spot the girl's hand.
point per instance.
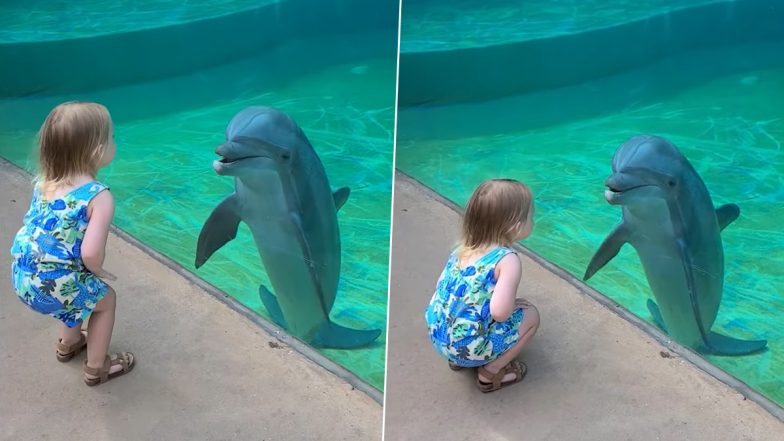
(103, 274)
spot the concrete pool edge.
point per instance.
(300, 347)
(687, 354)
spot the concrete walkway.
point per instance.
(592, 375)
(204, 371)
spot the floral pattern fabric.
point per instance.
(458, 316)
(47, 271)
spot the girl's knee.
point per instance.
(533, 313)
(108, 302)
(530, 319)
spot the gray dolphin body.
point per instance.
(669, 219)
(283, 195)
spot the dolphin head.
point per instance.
(645, 167)
(259, 141)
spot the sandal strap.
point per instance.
(514, 367)
(121, 358)
(67, 349)
(494, 378)
(101, 372)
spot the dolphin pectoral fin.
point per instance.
(718, 344)
(271, 303)
(341, 196)
(334, 336)
(726, 214)
(607, 250)
(653, 308)
(220, 228)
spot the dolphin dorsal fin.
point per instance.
(341, 196)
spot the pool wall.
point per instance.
(565, 60)
(124, 58)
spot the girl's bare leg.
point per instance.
(99, 332)
(70, 336)
(527, 330)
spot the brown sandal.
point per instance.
(65, 353)
(102, 375)
(516, 367)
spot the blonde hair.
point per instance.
(493, 213)
(71, 142)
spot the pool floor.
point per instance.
(731, 129)
(165, 188)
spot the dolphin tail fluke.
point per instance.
(334, 336)
(653, 308)
(273, 308)
(220, 228)
(718, 344)
(341, 196)
(607, 250)
(726, 214)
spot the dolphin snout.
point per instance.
(222, 151)
(609, 181)
(231, 151)
(619, 182)
(614, 182)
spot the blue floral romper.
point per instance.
(458, 316)
(47, 269)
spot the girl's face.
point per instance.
(109, 150)
(524, 229)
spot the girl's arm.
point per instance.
(100, 212)
(509, 272)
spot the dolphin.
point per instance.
(670, 220)
(283, 195)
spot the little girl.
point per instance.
(58, 254)
(474, 317)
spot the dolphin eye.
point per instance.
(671, 183)
(285, 156)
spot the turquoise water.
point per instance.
(341, 91)
(729, 125)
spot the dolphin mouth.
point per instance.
(231, 153)
(616, 195)
(618, 190)
(227, 160)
